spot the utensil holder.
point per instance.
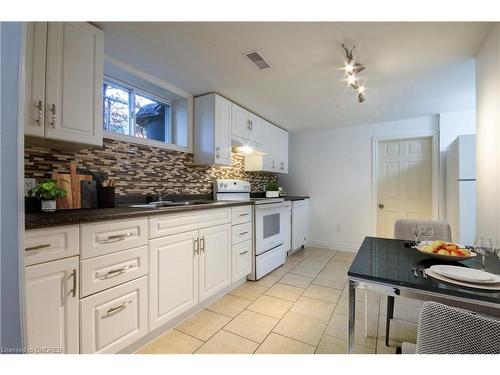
(105, 196)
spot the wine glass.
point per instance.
(416, 230)
(427, 232)
(483, 247)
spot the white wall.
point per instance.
(488, 136)
(334, 167)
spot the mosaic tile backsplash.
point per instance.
(140, 169)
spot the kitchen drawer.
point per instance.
(113, 319)
(112, 236)
(241, 232)
(241, 214)
(167, 225)
(242, 260)
(43, 245)
(106, 271)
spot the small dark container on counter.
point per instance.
(105, 196)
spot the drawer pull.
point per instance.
(244, 214)
(243, 233)
(202, 244)
(244, 252)
(116, 238)
(38, 247)
(73, 275)
(115, 272)
(196, 246)
(116, 309)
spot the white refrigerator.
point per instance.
(460, 203)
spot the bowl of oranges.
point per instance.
(445, 250)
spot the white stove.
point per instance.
(268, 215)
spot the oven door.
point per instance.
(268, 229)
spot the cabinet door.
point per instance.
(173, 276)
(269, 162)
(73, 110)
(36, 42)
(215, 260)
(52, 306)
(240, 123)
(222, 131)
(282, 151)
(300, 223)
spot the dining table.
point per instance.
(386, 266)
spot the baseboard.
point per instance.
(342, 246)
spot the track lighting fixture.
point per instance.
(352, 69)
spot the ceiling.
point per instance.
(413, 69)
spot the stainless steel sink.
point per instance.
(170, 204)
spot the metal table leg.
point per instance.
(352, 316)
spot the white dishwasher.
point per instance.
(300, 223)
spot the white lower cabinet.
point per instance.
(185, 269)
(215, 260)
(242, 260)
(173, 276)
(113, 319)
(52, 306)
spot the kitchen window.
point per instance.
(130, 111)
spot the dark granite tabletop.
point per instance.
(388, 261)
(34, 220)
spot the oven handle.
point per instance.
(270, 205)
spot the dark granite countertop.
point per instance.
(296, 197)
(35, 220)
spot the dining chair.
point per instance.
(403, 230)
(444, 329)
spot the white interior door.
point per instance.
(404, 186)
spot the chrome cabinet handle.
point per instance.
(249, 124)
(273, 163)
(53, 110)
(38, 247)
(116, 238)
(73, 275)
(243, 233)
(39, 113)
(244, 252)
(112, 310)
(202, 244)
(245, 214)
(196, 246)
(217, 152)
(115, 272)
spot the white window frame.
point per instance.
(164, 85)
(131, 107)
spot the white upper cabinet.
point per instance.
(275, 147)
(247, 127)
(212, 130)
(35, 60)
(219, 124)
(64, 70)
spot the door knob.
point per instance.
(381, 206)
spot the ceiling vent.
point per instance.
(258, 60)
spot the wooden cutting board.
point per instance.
(72, 184)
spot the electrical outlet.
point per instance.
(29, 183)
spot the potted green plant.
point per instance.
(48, 191)
(272, 189)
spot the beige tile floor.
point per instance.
(300, 307)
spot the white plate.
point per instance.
(441, 256)
(469, 275)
